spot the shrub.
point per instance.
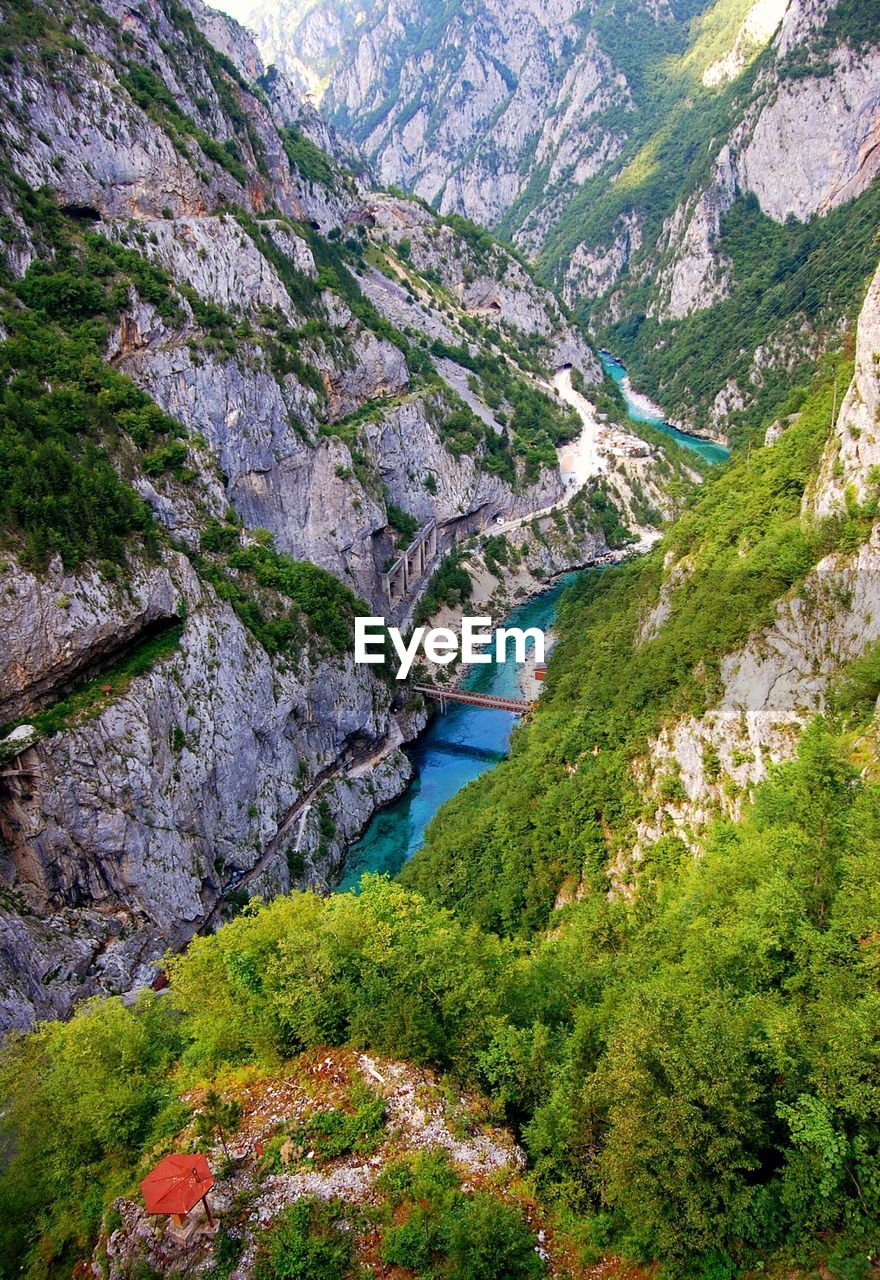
(305, 1242)
(165, 457)
(308, 159)
(489, 1240)
(403, 524)
(335, 1133)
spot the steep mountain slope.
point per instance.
(470, 105)
(236, 386)
(637, 153)
(238, 391)
(681, 682)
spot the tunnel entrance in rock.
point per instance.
(81, 212)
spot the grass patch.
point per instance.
(87, 702)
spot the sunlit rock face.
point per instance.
(503, 112)
(224, 767)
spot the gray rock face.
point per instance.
(217, 258)
(814, 145)
(761, 20)
(136, 820)
(485, 281)
(507, 112)
(57, 625)
(218, 769)
(779, 680)
(592, 271)
(86, 137)
(469, 113)
(407, 449)
(849, 468)
(698, 275)
(504, 96)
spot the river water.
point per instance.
(466, 741)
(640, 409)
(457, 748)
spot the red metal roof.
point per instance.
(176, 1184)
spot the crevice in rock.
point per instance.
(65, 677)
(81, 212)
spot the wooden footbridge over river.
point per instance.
(518, 706)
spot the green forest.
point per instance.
(694, 1077)
(691, 1069)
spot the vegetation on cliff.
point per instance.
(691, 1066)
(694, 1075)
(566, 801)
(692, 1070)
(795, 276)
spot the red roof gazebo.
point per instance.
(176, 1186)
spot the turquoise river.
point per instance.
(461, 744)
(640, 409)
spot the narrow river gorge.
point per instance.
(466, 741)
(457, 747)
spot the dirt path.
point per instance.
(581, 458)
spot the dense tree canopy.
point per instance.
(695, 1077)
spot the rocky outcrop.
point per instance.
(157, 800)
(485, 281)
(816, 142)
(758, 25)
(698, 767)
(58, 626)
(780, 679)
(418, 1116)
(771, 688)
(850, 467)
(507, 113)
(516, 107)
(464, 108)
(407, 449)
(218, 259)
(88, 133)
(593, 270)
(699, 273)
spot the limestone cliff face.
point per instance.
(557, 124)
(815, 143)
(805, 143)
(771, 688)
(287, 329)
(87, 137)
(521, 104)
(592, 271)
(485, 281)
(849, 469)
(463, 107)
(125, 833)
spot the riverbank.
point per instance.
(461, 744)
(454, 750)
(455, 747)
(641, 408)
